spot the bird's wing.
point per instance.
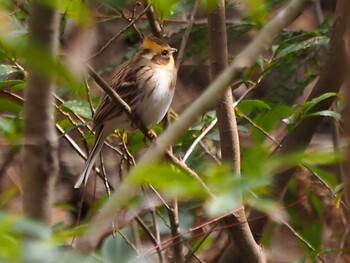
(125, 84)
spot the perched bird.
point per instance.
(146, 82)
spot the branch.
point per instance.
(156, 27)
(186, 35)
(132, 22)
(213, 93)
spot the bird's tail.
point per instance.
(84, 176)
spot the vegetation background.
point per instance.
(251, 164)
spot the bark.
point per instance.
(229, 140)
(39, 159)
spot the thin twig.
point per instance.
(207, 151)
(173, 214)
(153, 239)
(105, 180)
(325, 184)
(88, 94)
(199, 138)
(258, 127)
(188, 257)
(121, 32)
(303, 240)
(186, 35)
(156, 27)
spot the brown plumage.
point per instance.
(146, 82)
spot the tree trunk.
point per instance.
(39, 159)
(229, 140)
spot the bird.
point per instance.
(146, 82)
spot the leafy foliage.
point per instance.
(282, 74)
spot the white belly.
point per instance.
(155, 106)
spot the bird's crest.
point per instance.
(153, 43)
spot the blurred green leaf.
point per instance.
(257, 10)
(298, 46)
(164, 8)
(10, 83)
(306, 107)
(75, 9)
(40, 59)
(136, 142)
(7, 105)
(10, 249)
(223, 203)
(79, 107)
(169, 180)
(5, 71)
(116, 248)
(325, 113)
(327, 177)
(32, 228)
(321, 157)
(19, 86)
(248, 106)
(313, 234)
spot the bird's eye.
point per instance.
(165, 52)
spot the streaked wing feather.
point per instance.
(126, 86)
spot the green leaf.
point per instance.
(223, 204)
(164, 8)
(321, 157)
(297, 47)
(327, 177)
(170, 180)
(40, 59)
(306, 107)
(10, 83)
(257, 10)
(19, 86)
(116, 249)
(5, 71)
(75, 9)
(79, 107)
(247, 106)
(32, 228)
(7, 105)
(324, 113)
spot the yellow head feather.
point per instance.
(153, 43)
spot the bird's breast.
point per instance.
(157, 99)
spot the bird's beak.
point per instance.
(173, 50)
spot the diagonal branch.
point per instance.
(213, 93)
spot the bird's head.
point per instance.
(158, 51)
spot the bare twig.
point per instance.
(303, 240)
(186, 35)
(199, 138)
(121, 31)
(156, 27)
(175, 232)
